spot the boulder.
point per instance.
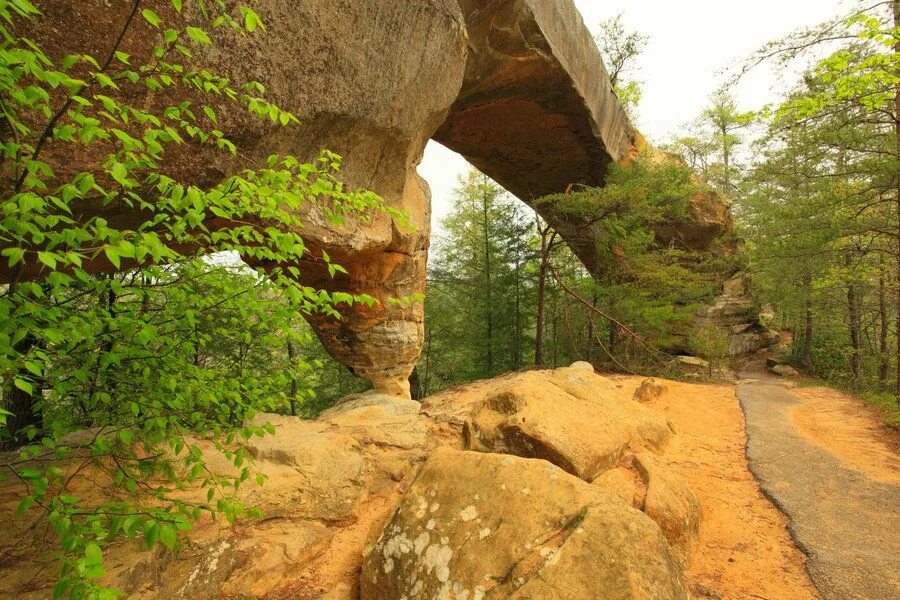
(379, 419)
(785, 371)
(561, 417)
(693, 363)
(752, 340)
(220, 563)
(671, 503)
(623, 483)
(312, 470)
(481, 526)
(650, 389)
(736, 314)
(582, 365)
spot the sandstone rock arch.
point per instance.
(518, 87)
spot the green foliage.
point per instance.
(821, 205)
(620, 50)
(711, 344)
(477, 328)
(178, 347)
(712, 144)
(480, 296)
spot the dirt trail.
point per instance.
(745, 551)
(833, 472)
(850, 430)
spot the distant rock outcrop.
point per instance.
(735, 313)
(568, 496)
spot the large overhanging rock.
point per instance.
(370, 80)
(537, 112)
(518, 87)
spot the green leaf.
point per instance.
(119, 172)
(26, 503)
(167, 536)
(198, 36)
(48, 259)
(15, 255)
(251, 20)
(151, 17)
(24, 385)
(113, 256)
(93, 553)
(151, 533)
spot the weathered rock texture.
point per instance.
(735, 313)
(540, 415)
(350, 512)
(487, 525)
(538, 114)
(517, 87)
(671, 503)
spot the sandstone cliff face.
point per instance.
(377, 500)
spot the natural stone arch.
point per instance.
(518, 87)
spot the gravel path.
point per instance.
(847, 523)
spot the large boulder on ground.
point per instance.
(570, 417)
(623, 483)
(479, 526)
(252, 563)
(671, 503)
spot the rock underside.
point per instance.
(567, 496)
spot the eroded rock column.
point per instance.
(371, 80)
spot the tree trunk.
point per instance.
(806, 351)
(292, 394)
(613, 341)
(884, 360)
(554, 324)
(517, 338)
(24, 406)
(544, 266)
(590, 331)
(854, 318)
(415, 384)
(897, 176)
(539, 319)
(489, 305)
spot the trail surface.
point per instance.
(844, 513)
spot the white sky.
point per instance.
(691, 43)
